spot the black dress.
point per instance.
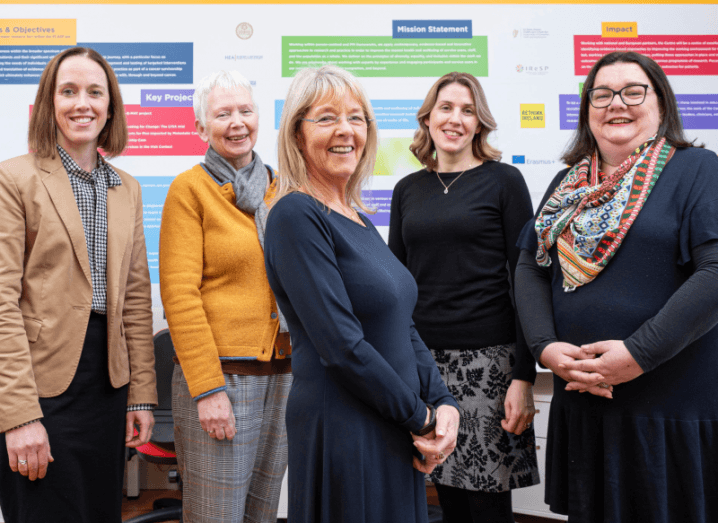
(362, 375)
(651, 453)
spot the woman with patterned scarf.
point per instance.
(230, 387)
(617, 291)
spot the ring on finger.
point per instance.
(604, 385)
(441, 455)
(22, 461)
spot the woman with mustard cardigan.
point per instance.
(231, 384)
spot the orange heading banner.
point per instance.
(34, 31)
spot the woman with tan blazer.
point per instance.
(76, 357)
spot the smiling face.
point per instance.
(620, 128)
(231, 125)
(453, 123)
(332, 153)
(81, 101)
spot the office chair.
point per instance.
(160, 448)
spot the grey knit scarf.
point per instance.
(250, 185)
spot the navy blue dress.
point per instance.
(362, 375)
(651, 453)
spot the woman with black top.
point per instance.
(454, 225)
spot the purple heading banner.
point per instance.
(166, 97)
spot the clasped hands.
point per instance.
(594, 367)
(437, 445)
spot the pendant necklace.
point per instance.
(446, 187)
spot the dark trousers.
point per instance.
(469, 506)
(86, 430)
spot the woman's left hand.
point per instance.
(519, 407)
(609, 359)
(145, 420)
(437, 445)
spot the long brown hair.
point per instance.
(583, 143)
(42, 133)
(423, 146)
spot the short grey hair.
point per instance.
(225, 79)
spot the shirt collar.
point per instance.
(103, 168)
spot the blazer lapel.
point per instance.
(56, 181)
(120, 223)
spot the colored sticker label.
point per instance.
(162, 131)
(133, 63)
(676, 54)
(383, 56)
(533, 116)
(154, 193)
(380, 201)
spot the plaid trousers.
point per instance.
(238, 480)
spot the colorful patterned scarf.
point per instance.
(590, 213)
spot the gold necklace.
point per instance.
(446, 187)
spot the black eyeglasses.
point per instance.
(630, 95)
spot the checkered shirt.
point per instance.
(90, 190)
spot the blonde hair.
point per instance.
(308, 87)
(42, 132)
(423, 146)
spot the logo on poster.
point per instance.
(517, 159)
(531, 32)
(537, 70)
(244, 31)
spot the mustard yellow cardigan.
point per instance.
(213, 282)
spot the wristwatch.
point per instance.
(429, 427)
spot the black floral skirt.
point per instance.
(487, 458)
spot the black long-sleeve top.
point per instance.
(461, 249)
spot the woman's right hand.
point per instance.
(440, 443)
(30, 445)
(559, 352)
(216, 415)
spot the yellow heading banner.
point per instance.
(35, 31)
(619, 29)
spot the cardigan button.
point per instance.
(281, 352)
(274, 315)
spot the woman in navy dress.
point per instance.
(367, 397)
(617, 290)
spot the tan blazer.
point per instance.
(46, 289)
